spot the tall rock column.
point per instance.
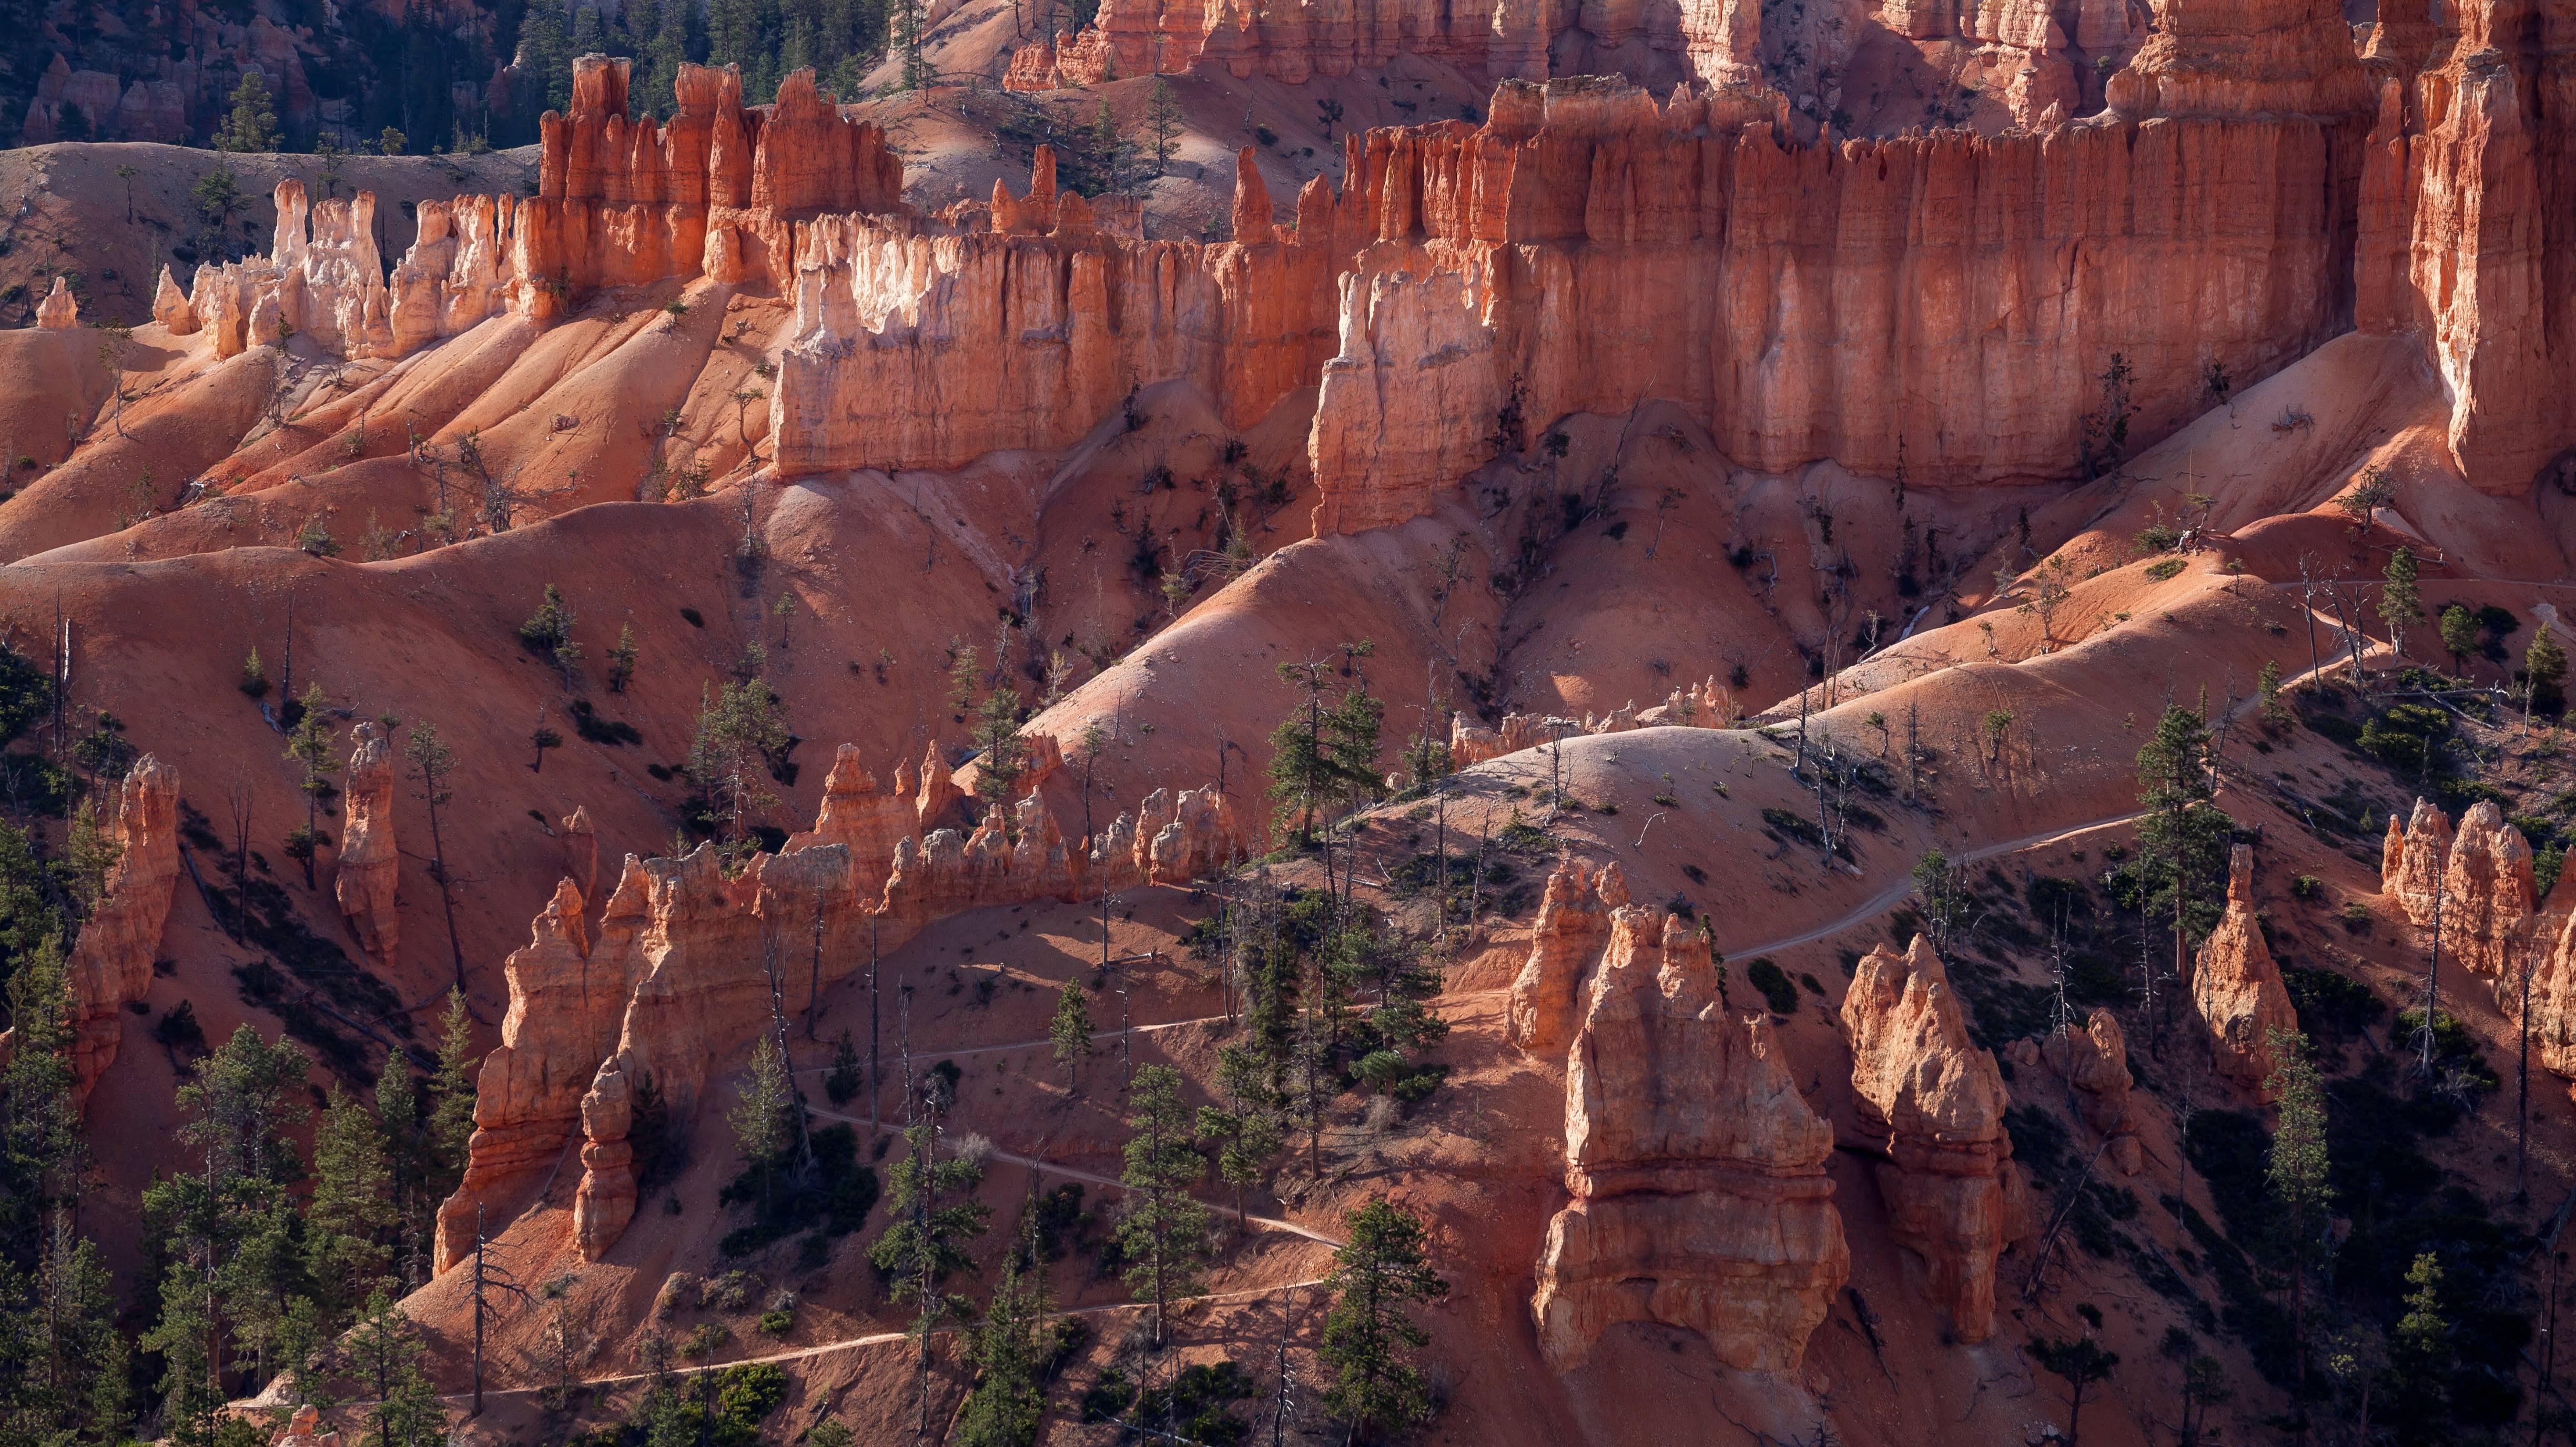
(2411, 861)
(606, 1200)
(1935, 1102)
(1698, 1173)
(1572, 922)
(111, 964)
(369, 866)
(2237, 987)
(2487, 893)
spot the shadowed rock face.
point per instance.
(1935, 1103)
(1698, 1173)
(2095, 1061)
(2236, 986)
(368, 867)
(111, 965)
(679, 969)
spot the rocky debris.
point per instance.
(2488, 894)
(369, 866)
(2095, 1062)
(605, 1201)
(1698, 1173)
(111, 964)
(2411, 862)
(60, 310)
(2237, 987)
(1573, 921)
(1935, 1103)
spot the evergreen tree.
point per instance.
(1163, 125)
(1369, 1336)
(1164, 1231)
(309, 744)
(548, 633)
(2544, 668)
(2299, 1174)
(2401, 601)
(451, 1095)
(2079, 1362)
(1247, 1129)
(621, 660)
(62, 1361)
(2183, 835)
(1070, 1031)
(742, 728)
(997, 737)
(350, 1222)
(1009, 1348)
(431, 763)
(924, 1242)
(251, 125)
(408, 1166)
(762, 1128)
(43, 1153)
(2459, 629)
(387, 1358)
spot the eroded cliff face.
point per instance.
(369, 866)
(1934, 1103)
(2411, 862)
(2468, 224)
(1573, 922)
(1589, 246)
(1697, 1171)
(687, 962)
(2236, 986)
(2488, 894)
(2094, 1062)
(111, 963)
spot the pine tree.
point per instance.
(1009, 1347)
(352, 1215)
(431, 763)
(2183, 835)
(1163, 124)
(43, 1153)
(1369, 1337)
(251, 125)
(2079, 1362)
(309, 744)
(1247, 1129)
(997, 737)
(762, 1130)
(741, 728)
(407, 1164)
(1164, 1230)
(2401, 601)
(62, 1361)
(548, 632)
(1070, 1031)
(621, 660)
(2299, 1173)
(387, 1357)
(924, 1242)
(451, 1094)
(2544, 667)
(2459, 629)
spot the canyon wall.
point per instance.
(688, 962)
(1588, 247)
(1700, 1198)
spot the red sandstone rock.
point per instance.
(2237, 987)
(2488, 893)
(170, 306)
(869, 822)
(1573, 921)
(60, 310)
(2095, 1061)
(2411, 863)
(1700, 1194)
(1935, 1103)
(111, 963)
(605, 1201)
(369, 867)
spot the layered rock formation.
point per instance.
(1700, 705)
(369, 866)
(1698, 1173)
(1591, 247)
(2488, 894)
(2236, 986)
(2411, 862)
(2094, 1063)
(2465, 234)
(1573, 921)
(686, 963)
(1935, 1103)
(2553, 1001)
(111, 963)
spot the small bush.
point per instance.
(1777, 992)
(777, 1323)
(2307, 886)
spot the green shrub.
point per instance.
(1777, 992)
